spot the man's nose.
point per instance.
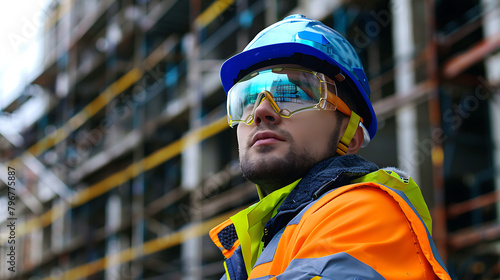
(266, 113)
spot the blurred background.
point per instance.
(113, 122)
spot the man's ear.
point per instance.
(356, 141)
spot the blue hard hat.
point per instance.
(310, 43)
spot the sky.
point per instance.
(21, 23)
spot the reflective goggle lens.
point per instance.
(288, 90)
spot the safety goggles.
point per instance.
(288, 90)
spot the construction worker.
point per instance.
(300, 99)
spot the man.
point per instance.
(300, 98)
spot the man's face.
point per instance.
(275, 151)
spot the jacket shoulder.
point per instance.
(372, 223)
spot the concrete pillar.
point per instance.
(191, 162)
(113, 222)
(57, 228)
(406, 116)
(112, 271)
(491, 26)
(191, 156)
(36, 246)
(270, 13)
(191, 258)
(191, 166)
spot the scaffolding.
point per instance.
(129, 161)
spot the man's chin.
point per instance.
(267, 168)
(278, 151)
(260, 163)
(264, 149)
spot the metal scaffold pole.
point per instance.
(437, 154)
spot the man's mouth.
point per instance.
(266, 138)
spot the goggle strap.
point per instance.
(340, 105)
(349, 134)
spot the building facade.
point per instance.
(128, 160)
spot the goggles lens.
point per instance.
(288, 90)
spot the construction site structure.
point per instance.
(116, 157)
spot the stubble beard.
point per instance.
(272, 173)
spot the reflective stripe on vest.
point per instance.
(279, 258)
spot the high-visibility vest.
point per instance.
(365, 229)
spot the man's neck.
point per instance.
(265, 189)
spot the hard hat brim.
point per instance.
(245, 62)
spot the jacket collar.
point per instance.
(338, 170)
(324, 176)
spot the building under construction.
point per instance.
(118, 144)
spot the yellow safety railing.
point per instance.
(205, 18)
(116, 88)
(88, 112)
(147, 248)
(129, 172)
(213, 11)
(124, 175)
